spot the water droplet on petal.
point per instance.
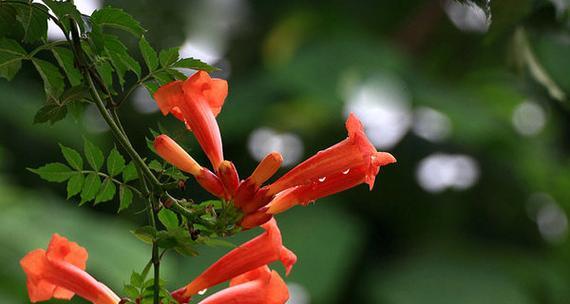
(346, 171)
(322, 179)
(203, 291)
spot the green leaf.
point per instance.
(76, 108)
(33, 20)
(105, 69)
(116, 18)
(130, 173)
(155, 165)
(151, 86)
(149, 54)
(9, 25)
(93, 154)
(65, 59)
(145, 234)
(125, 197)
(168, 57)
(74, 185)
(137, 279)
(194, 64)
(91, 187)
(65, 11)
(107, 191)
(176, 74)
(215, 242)
(131, 291)
(11, 55)
(120, 58)
(51, 112)
(168, 218)
(53, 80)
(54, 172)
(72, 157)
(115, 162)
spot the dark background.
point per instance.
(471, 99)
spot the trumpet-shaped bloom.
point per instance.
(304, 194)
(259, 286)
(175, 155)
(356, 151)
(262, 250)
(59, 272)
(197, 101)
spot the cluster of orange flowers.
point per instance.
(59, 271)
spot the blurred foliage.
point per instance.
(289, 65)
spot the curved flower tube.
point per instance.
(262, 250)
(259, 286)
(354, 151)
(59, 272)
(197, 101)
(175, 155)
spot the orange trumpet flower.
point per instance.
(356, 151)
(197, 101)
(175, 155)
(60, 273)
(262, 250)
(259, 286)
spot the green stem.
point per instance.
(123, 140)
(155, 254)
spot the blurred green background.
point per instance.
(471, 98)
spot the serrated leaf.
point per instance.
(91, 187)
(105, 69)
(65, 59)
(54, 172)
(131, 291)
(168, 57)
(177, 75)
(120, 58)
(115, 163)
(72, 157)
(215, 242)
(9, 25)
(53, 80)
(155, 165)
(116, 18)
(145, 234)
(33, 20)
(130, 173)
(74, 185)
(76, 108)
(168, 218)
(11, 55)
(93, 154)
(125, 197)
(151, 86)
(51, 112)
(194, 64)
(65, 11)
(107, 191)
(136, 279)
(163, 77)
(149, 54)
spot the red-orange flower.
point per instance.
(59, 273)
(356, 151)
(175, 155)
(349, 163)
(197, 101)
(262, 250)
(258, 286)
